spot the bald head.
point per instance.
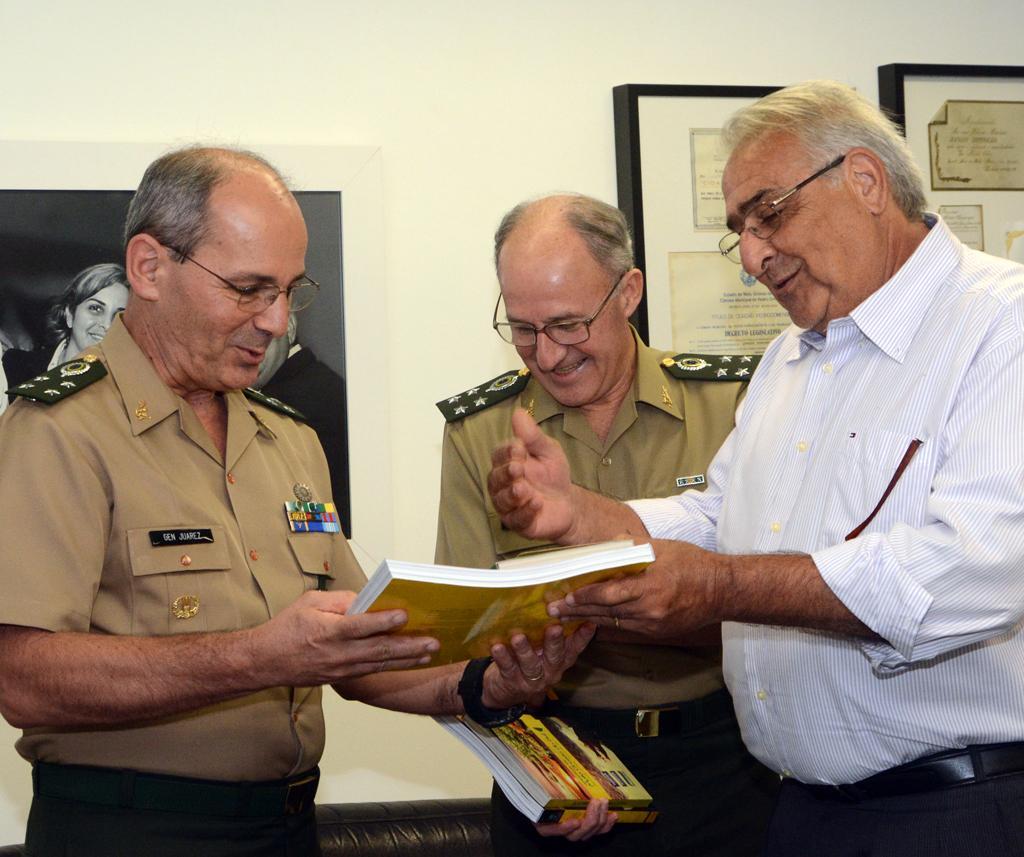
(172, 201)
(600, 226)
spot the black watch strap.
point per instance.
(471, 689)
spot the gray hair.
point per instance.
(601, 226)
(171, 201)
(829, 119)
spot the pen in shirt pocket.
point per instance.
(912, 448)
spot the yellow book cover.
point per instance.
(549, 771)
(470, 609)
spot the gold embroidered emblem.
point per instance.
(524, 371)
(692, 364)
(667, 361)
(141, 411)
(666, 399)
(90, 358)
(302, 493)
(78, 367)
(185, 606)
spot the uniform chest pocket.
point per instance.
(313, 552)
(153, 550)
(179, 580)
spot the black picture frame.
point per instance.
(628, 157)
(892, 80)
(914, 95)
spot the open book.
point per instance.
(470, 609)
(549, 772)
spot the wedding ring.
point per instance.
(617, 625)
(539, 677)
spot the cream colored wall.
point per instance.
(474, 105)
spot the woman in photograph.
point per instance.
(78, 318)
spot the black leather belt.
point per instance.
(647, 722)
(974, 764)
(134, 790)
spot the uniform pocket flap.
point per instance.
(160, 550)
(313, 552)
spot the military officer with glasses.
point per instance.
(633, 422)
(861, 537)
(178, 590)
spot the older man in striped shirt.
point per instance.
(862, 535)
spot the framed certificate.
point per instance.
(965, 127)
(669, 164)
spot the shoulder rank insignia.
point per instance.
(480, 398)
(273, 404)
(62, 381)
(712, 367)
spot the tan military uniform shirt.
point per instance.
(88, 479)
(664, 436)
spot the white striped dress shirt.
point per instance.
(936, 354)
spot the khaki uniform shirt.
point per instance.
(88, 479)
(668, 429)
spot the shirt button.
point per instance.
(231, 478)
(186, 560)
(762, 695)
(295, 718)
(827, 368)
(786, 772)
(801, 446)
(606, 461)
(327, 566)
(776, 526)
(253, 555)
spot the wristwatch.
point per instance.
(471, 689)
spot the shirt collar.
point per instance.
(147, 399)
(891, 316)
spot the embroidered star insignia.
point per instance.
(746, 358)
(721, 372)
(726, 358)
(480, 402)
(472, 392)
(741, 373)
(68, 384)
(461, 409)
(454, 399)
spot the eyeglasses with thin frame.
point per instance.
(570, 332)
(256, 299)
(765, 218)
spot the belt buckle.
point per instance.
(298, 796)
(647, 722)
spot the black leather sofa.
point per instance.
(454, 827)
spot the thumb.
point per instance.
(526, 430)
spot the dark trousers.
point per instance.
(714, 800)
(978, 820)
(64, 828)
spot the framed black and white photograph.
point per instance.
(61, 285)
(965, 127)
(669, 163)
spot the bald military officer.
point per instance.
(633, 422)
(166, 623)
